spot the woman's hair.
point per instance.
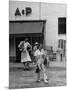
(26, 39)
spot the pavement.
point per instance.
(20, 78)
(58, 64)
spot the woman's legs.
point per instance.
(27, 64)
(24, 63)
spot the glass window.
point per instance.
(62, 43)
(61, 25)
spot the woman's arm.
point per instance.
(29, 46)
(20, 46)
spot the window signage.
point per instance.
(27, 11)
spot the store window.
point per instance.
(62, 44)
(62, 25)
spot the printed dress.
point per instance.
(25, 54)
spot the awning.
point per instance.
(25, 27)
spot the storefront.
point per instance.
(41, 22)
(33, 30)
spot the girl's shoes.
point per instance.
(46, 81)
(38, 80)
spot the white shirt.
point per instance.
(39, 53)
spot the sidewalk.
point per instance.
(52, 64)
(58, 64)
(19, 78)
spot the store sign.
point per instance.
(25, 11)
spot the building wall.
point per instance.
(13, 5)
(42, 11)
(50, 12)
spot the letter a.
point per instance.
(17, 13)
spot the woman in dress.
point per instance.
(39, 56)
(25, 57)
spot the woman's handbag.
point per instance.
(28, 48)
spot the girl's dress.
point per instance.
(40, 63)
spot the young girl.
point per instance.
(39, 56)
(34, 49)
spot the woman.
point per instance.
(25, 57)
(40, 55)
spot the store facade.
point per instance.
(36, 21)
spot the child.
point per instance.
(39, 56)
(34, 49)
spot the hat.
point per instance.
(36, 43)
